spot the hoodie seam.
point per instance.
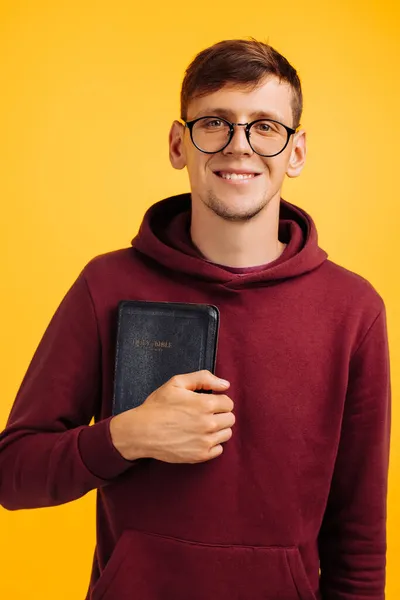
(365, 336)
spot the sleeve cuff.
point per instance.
(99, 454)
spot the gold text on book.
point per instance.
(142, 343)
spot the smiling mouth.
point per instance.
(236, 177)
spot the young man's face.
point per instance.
(239, 199)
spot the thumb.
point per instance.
(200, 380)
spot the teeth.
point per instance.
(237, 175)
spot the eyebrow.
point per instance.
(230, 114)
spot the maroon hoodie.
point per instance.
(295, 507)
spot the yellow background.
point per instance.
(88, 92)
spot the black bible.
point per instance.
(157, 340)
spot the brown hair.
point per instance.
(244, 62)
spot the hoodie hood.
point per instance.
(164, 236)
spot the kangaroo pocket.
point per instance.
(148, 566)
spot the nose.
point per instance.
(239, 143)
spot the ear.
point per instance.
(176, 146)
(297, 155)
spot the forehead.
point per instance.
(272, 97)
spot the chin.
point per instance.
(235, 211)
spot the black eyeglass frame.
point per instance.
(190, 124)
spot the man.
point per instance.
(274, 486)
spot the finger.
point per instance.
(216, 451)
(223, 436)
(199, 380)
(222, 404)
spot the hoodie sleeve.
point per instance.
(49, 454)
(352, 540)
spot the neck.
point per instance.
(237, 244)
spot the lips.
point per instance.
(234, 172)
(238, 176)
(241, 180)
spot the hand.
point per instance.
(175, 424)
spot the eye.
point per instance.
(263, 126)
(213, 123)
(268, 129)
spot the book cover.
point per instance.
(157, 340)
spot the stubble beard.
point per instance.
(233, 215)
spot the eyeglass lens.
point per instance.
(266, 137)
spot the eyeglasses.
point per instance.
(266, 137)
